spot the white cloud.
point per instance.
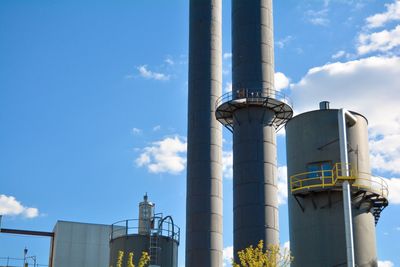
(286, 245)
(385, 264)
(227, 255)
(156, 128)
(169, 61)
(165, 156)
(12, 207)
(282, 185)
(136, 131)
(319, 18)
(383, 41)
(392, 13)
(227, 164)
(339, 54)
(148, 74)
(394, 190)
(227, 55)
(228, 87)
(368, 86)
(284, 41)
(281, 81)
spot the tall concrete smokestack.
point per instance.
(253, 112)
(204, 159)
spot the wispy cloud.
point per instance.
(169, 61)
(148, 74)
(319, 17)
(339, 54)
(136, 131)
(284, 41)
(392, 13)
(227, 55)
(227, 164)
(282, 185)
(10, 206)
(228, 87)
(156, 128)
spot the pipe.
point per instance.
(345, 116)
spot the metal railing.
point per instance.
(253, 96)
(161, 227)
(333, 178)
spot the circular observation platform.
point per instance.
(276, 101)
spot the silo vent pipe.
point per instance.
(344, 118)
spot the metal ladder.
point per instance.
(154, 249)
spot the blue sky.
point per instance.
(93, 102)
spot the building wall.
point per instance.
(81, 245)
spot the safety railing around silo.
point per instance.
(253, 96)
(327, 179)
(163, 228)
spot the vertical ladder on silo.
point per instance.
(155, 248)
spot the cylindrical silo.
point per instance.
(253, 111)
(315, 199)
(204, 244)
(151, 233)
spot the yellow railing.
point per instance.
(332, 178)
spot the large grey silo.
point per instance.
(204, 244)
(316, 215)
(253, 111)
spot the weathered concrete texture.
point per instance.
(204, 244)
(317, 234)
(254, 142)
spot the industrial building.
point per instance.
(80, 244)
(87, 245)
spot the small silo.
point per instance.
(151, 232)
(327, 150)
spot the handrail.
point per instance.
(333, 178)
(131, 226)
(253, 94)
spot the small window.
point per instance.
(318, 169)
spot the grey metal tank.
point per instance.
(152, 233)
(316, 216)
(253, 111)
(136, 243)
(204, 243)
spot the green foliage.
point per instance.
(272, 256)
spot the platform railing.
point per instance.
(131, 226)
(253, 95)
(324, 179)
